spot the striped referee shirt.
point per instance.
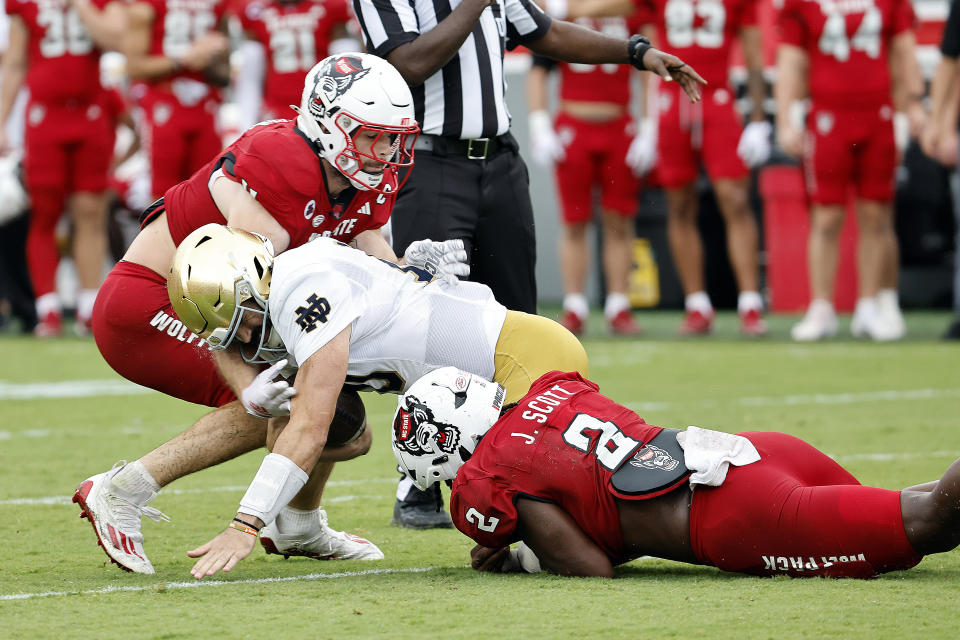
(465, 98)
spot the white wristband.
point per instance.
(277, 481)
(557, 8)
(539, 120)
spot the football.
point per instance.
(349, 420)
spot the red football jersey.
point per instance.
(177, 23)
(62, 61)
(700, 32)
(598, 82)
(279, 167)
(560, 444)
(295, 35)
(847, 42)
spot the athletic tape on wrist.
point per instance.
(277, 481)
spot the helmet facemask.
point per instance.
(350, 102)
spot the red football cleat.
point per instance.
(752, 324)
(49, 326)
(623, 324)
(696, 323)
(572, 323)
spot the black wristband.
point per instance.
(637, 45)
(247, 524)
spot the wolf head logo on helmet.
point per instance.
(336, 77)
(415, 426)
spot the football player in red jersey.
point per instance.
(332, 171)
(857, 62)
(177, 58)
(68, 144)
(588, 144)
(585, 484)
(283, 38)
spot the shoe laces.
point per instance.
(126, 512)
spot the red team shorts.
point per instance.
(140, 336)
(596, 155)
(179, 139)
(67, 146)
(797, 512)
(689, 134)
(850, 148)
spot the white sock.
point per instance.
(748, 301)
(821, 305)
(85, 300)
(698, 301)
(292, 521)
(48, 302)
(615, 303)
(403, 487)
(866, 307)
(576, 303)
(136, 483)
(889, 296)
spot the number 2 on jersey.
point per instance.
(612, 446)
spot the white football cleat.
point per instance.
(116, 520)
(892, 325)
(322, 543)
(818, 323)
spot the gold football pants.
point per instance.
(530, 346)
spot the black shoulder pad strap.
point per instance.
(656, 468)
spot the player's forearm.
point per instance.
(537, 89)
(105, 27)
(11, 77)
(371, 241)
(429, 52)
(943, 89)
(791, 84)
(906, 81)
(752, 45)
(234, 371)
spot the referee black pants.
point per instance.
(484, 202)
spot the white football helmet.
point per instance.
(218, 274)
(439, 422)
(347, 99)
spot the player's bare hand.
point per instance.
(488, 559)
(204, 49)
(221, 553)
(790, 139)
(672, 68)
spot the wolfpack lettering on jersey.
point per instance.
(847, 42)
(403, 323)
(701, 32)
(294, 35)
(63, 61)
(561, 444)
(165, 323)
(294, 192)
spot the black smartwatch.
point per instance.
(637, 45)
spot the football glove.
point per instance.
(440, 259)
(642, 154)
(266, 398)
(545, 145)
(754, 145)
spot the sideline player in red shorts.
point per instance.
(587, 143)
(282, 40)
(177, 57)
(333, 171)
(68, 142)
(585, 484)
(857, 61)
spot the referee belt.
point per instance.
(472, 148)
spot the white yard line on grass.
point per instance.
(216, 583)
(69, 389)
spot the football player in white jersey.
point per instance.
(340, 317)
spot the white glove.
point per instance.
(265, 398)
(642, 154)
(440, 259)
(754, 145)
(545, 145)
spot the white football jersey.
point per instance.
(404, 324)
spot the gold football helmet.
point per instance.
(218, 274)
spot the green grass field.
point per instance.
(889, 412)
